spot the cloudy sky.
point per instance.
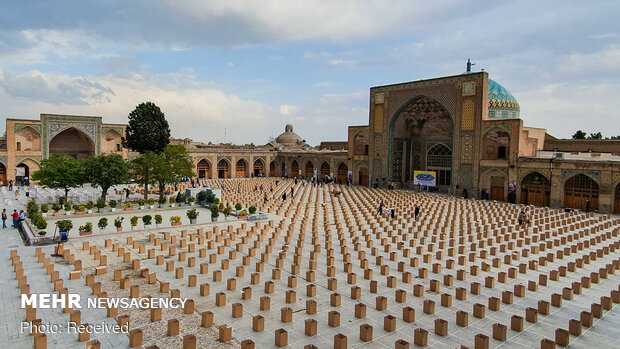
(250, 67)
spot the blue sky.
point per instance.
(253, 66)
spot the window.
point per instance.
(439, 159)
(366, 149)
(19, 146)
(118, 147)
(501, 152)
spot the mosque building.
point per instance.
(465, 128)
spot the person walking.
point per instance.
(4, 217)
(393, 213)
(10, 185)
(15, 217)
(416, 212)
(521, 218)
(587, 205)
(284, 196)
(380, 208)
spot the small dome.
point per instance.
(502, 104)
(289, 138)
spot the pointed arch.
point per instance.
(496, 182)
(325, 169)
(241, 168)
(27, 138)
(581, 192)
(535, 189)
(309, 169)
(294, 169)
(272, 169)
(342, 174)
(258, 168)
(72, 142)
(495, 144)
(111, 142)
(223, 169)
(203, 168)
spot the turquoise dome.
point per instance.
(502, 104)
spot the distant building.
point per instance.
(466, 128)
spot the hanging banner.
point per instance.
(427, 178)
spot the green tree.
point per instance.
(579, 135)
(106, 171)
(142, 169)
(60, 172)
(147, 129)
(173, 164)
(597, 135)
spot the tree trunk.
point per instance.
(104, 192)
(161, 189)
(66, 194)
(146, 186)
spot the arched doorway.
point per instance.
(241, 169)
(294, 169)
(259, 168)
(495, 145)
(21, 171)
(617, 200)
(580, 189)
(272, 169)
(111, 142)
(223, 169)
(3, 174)
(204, 169)
(496, 182)
(343, 173)
(535, 190)
(325, 169)
(27, 139)
(439, 159)
(362, 176)
(420, 138)
(309, 169)
(72, 142)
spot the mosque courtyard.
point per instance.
(325, 270)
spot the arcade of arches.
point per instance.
(72, 142)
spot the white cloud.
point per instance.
(288, 109)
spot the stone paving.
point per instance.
(326, 270)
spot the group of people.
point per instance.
(16, 216)
(392, 211)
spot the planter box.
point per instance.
(44, 214)
(89, 211)
(113, 209)
(83, 233)
(192, 221)
(162, 205)
(191, 204)
(243, 218)
(128, 208)
(175, 224)
(133, 227)
(77, 213)
(172, 205)
(119, 229)
(151, 207)
(214, 219)
(67, 213)
(142, 207)
(147, 226)
(55, 214)
(182, 204)
(100, 210)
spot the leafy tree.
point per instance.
(173, 164)
(147, 130)
(579, 135)
(597, 135)
(60, 172)
(106, 171)
(142, 169)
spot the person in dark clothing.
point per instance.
(393, 213)
(587, 205)
(4, 218)
(284, 196)
(416, 212)
(126, 193)
(380, 208)
(292, 191)
(465, 193)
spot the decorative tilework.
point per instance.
(19, 159)
(469, 88)
(485, 169)
(616, 177)
(378, 118)
(4, 160)
(378, 141)
(526, 171)
(120, 130)
(19, 126)
(596, 175)
(469, 112)
(91, 126)
(505, 127)
(261, 158)
(397, 163)
(467, 148)
(379, 98)
(229, 158)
